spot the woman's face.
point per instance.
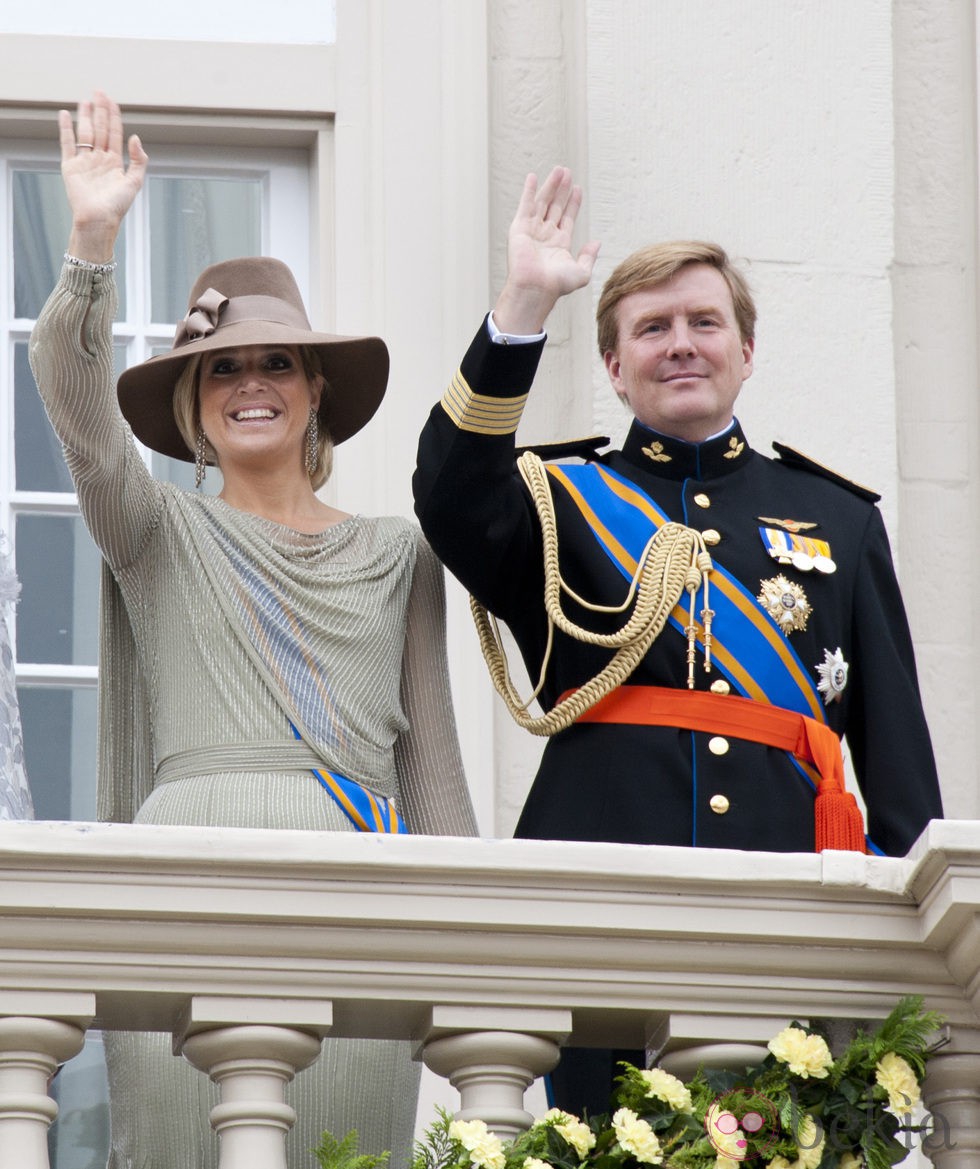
(254, 404)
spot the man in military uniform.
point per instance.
(789, 629)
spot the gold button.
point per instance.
(718, 745)
(711, 537)
(702, 500)
(720, 686)
(719, 804)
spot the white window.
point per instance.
(199, 205)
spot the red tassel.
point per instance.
(837, 821)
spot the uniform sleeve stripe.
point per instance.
(478, 412)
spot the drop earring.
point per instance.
(312, 442)
(200, 457)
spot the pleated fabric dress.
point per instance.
(222, 635)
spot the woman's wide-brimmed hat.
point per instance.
(252, 301)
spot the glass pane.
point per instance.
(58, 612)
(60, 739)
(195, 222)
(38, 460)
(41, 225)
(79, 1137)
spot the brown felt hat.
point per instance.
(252, 301)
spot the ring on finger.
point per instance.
(84, 145)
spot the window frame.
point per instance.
(287, 154)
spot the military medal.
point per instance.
(788, 525)
(833, 676)
(786, 603)
(804, 552)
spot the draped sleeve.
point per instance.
(435, 798)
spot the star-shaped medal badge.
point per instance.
(833, 676)
(786, 603)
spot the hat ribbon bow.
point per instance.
(202, 317)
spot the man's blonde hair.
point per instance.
(658, 263)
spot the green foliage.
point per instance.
(436, 1149)
(333, 1154)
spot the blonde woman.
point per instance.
(269, 660)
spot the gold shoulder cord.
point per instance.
(674, 559)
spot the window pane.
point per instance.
(42, 222)
(195, 222)
(59, 749)
(58, 611)
(38, 460)
(79, 1137)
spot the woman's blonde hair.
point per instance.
(659, 262)
(187, 413)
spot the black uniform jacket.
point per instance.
(661, 785)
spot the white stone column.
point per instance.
(252, 1047)
(492, 1056)
(680, 1043)
(492, 1070)
(251, 1066)
(30, 1051)
(951, 1094)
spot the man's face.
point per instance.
(680, 362)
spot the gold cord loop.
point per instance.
(674, 560)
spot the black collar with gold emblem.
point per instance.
(673, 458)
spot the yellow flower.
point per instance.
(486, 1150)
(636, 1137)
(851, 1161)
(898, 1080)
(728, 1160)
(555, 1114)
(534, 1163)
(578, 1135)
(726, 1136)
(807, 1055)
(667, 1088)
(809, 1151)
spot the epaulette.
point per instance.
(793, 458)
(582, 448)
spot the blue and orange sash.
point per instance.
(747, 645)
(366, 810)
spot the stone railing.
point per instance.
(251, 946)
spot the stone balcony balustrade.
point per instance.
(250, 946)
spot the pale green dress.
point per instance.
(219, 629)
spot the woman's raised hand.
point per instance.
(99, 185)
(541, 267)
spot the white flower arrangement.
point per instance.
(800, 1108)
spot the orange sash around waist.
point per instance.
(837, 817)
